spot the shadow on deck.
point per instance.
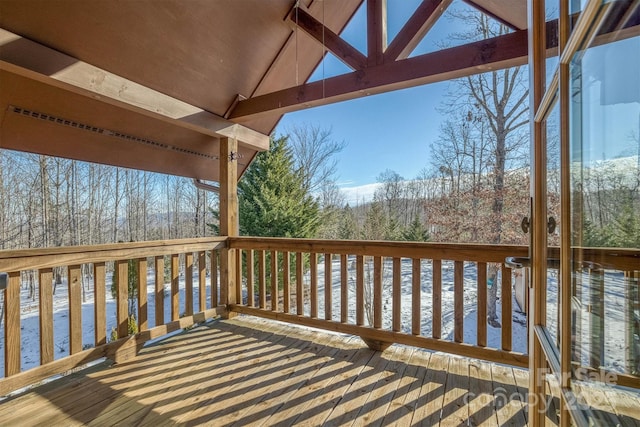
(249, 371)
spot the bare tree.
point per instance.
(314, 152)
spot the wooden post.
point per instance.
(228, 219)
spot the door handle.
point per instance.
(522, 262)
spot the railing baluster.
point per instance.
(202, 281)
(12, 325)
(359, 290)
(299, 287)
(143, 313)
(74, 282)
(327, 286)
(416, 303)
(239, 299)
(100, 301)
(344, 289)
(175, 287)
(159, 297)
(314, 284)
(482, 304)
(250, 279)
(507, 310)
(188, 283)
(397, 295)
(215, 288)
(286, 285)
(45, 279)
(262, 285)
(436, 330)
(377, 292)
(458, 301)
(122, 296)
(274, 281)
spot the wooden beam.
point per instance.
(376, 31)
(425, 16)
(100, 83)
(499, 52)
(330, 40)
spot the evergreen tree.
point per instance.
(416, 232)
(273, 200)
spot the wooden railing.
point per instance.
(385, 292)
(152, 260)
(421, 294)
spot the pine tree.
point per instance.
(273, 200)
(416, 232)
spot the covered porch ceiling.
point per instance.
(155, 85)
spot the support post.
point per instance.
(228, 219)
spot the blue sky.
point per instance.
(388, 131)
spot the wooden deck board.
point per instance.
(256, 372)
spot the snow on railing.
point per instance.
(65, 307)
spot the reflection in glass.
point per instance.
(605, 186)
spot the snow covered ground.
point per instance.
(614, 306)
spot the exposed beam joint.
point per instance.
(376, 31)
(425, 16)
(499, 52)
(330, 40)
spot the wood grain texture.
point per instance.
(27, 259)
(202, 280)
(122, 297)
(188, 283)
(75, 308)
(12, 325)
(159, 290)
(286, 281)
(359, 290)
(143, 305)
(377, 292)
(458, 301)
(396, 294)
(45, 280)
(274, 281)
(99, 300)
(344, 289)
(250, 279)
(387, 336)
(437, 299)
(507, 308)
(416, 303)
(328, 286)
(482, 304)
(313, 288)
(35, 375)
(175, 287)
(215, 284)
(262, 279)
(299, 284)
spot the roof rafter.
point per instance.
(425, 16)
(376, 31)
(330, 40)
(503, 51)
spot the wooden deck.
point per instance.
(249, 371)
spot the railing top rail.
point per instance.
(27, 259)
(611, 258)
(445, 251)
